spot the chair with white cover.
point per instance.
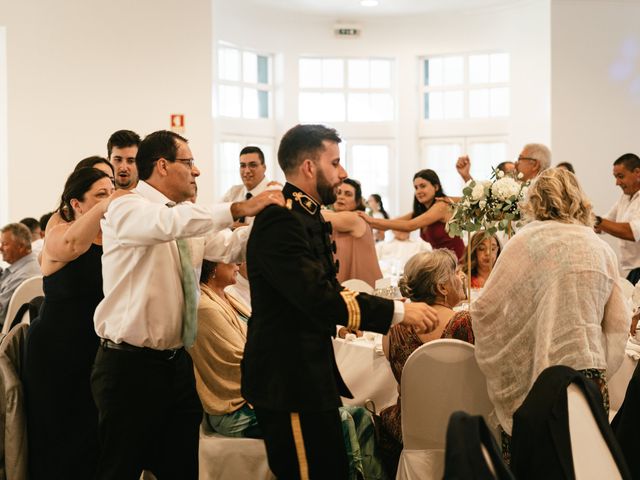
(358, 285)
(28, 290)
(592, 458)
(438, 379)
(230, 458)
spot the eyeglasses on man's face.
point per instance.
(189, 162)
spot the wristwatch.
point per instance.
(598, 221)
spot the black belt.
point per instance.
(164, 354)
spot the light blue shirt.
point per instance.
(13, 276)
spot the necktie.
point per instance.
(189, 291)
(247, 196)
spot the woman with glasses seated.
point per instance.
(434, 278)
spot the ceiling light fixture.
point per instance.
(369, 3)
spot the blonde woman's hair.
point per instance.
(555, 194)
(424, 272)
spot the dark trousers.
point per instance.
(319, 441)
(149, 414)
(634, 275)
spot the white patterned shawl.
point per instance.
(553, 298)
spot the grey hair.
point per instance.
(540, 152)
(424, 272)
(20, 232)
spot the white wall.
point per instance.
(523, 30)
(80, 69)
(595, 89)
(4, 174)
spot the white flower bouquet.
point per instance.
(489, 205)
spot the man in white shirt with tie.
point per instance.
(143, 381)
(254, 182)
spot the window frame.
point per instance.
(345, 90)
(465, 143)
(466, 87)
(242, 84)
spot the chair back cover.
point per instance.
(439, 378)
(230, 458)
(592, 458)
(29, 289)
(358, 285)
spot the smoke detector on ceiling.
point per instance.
(347, 30)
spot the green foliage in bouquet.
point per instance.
(489, 205)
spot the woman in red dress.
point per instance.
(428, 215)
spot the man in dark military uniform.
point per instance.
(289, 372)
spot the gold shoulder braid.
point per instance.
(306, 202)
(353, 308)
(289, 204)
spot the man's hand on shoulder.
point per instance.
(420, 316)
(253, 206)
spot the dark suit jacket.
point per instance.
(541, 445)
(289, 364)
(466, 434)
(626, 424)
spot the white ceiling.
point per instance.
(353, 9)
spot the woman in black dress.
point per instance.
(61, 416)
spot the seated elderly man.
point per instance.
(15, 247)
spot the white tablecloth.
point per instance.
(366, 372)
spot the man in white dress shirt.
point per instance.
(533, 159)
(623, 220)
(143, 381)
(254, 182)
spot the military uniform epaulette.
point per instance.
(300, 201)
